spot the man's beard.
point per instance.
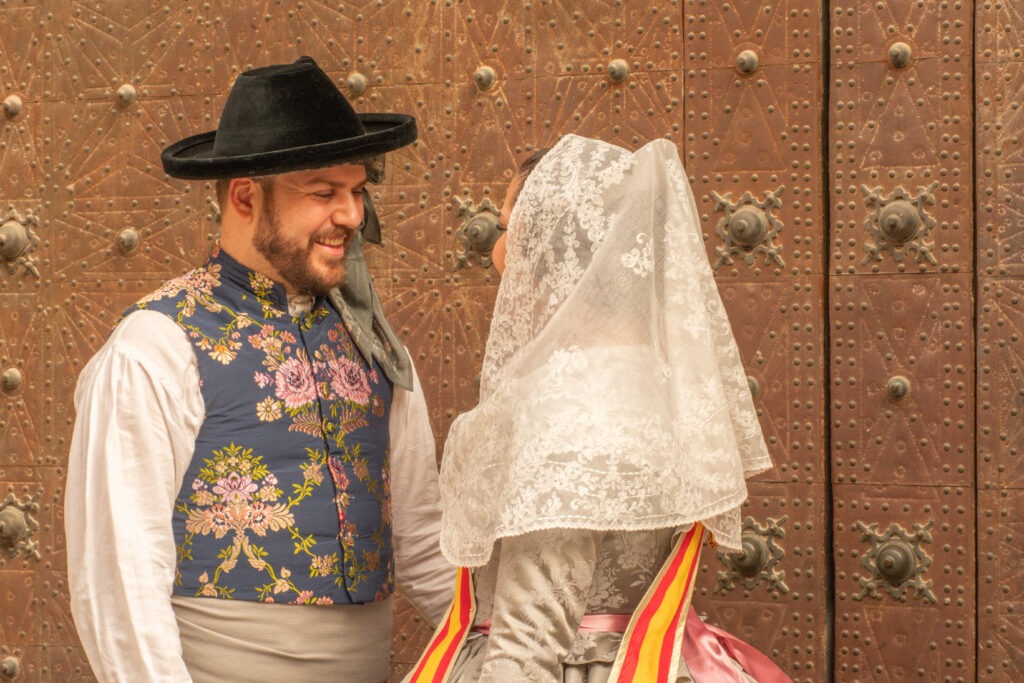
(292, 259)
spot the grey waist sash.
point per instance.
(241, 641)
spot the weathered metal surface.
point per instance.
(752, 127)
(908, 127)
(787, 624)
(918, 327)
(900, 127)
(1000, 339)
(779, 334)
(777, 326)
(934, 639)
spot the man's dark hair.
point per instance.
(265, 182)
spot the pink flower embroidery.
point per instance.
(349, 381)
(235, 488)
(294, 383)
(259, 520)
(323, 565)
(212, 520)
(269, 494)
(313, 473)
(348, 534)
(338, 474)
(203, 498)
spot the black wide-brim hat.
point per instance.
(283, 118)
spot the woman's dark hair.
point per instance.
(527, 166)
(530, 162)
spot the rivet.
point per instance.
(13, 240)
(755, 388)
(900, 55)
(128, 240)
(899, 222)
(618, 70)
(478, 234)
(12, 106)
(748, 226)
(898, 387)
(754, 556)
(13, 526)
(10, 667)
(896, 562)
(357, 83)
(484, 78)
(11, 379)
(748, 61)
(126, 95)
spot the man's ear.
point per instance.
(244, 197)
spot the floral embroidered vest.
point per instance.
(287, 497)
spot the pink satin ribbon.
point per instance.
(707, 650)
(609, 623)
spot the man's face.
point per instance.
(306, 223)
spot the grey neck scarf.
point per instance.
(361, 310)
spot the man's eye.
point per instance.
(324, 194)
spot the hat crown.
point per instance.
(284, 118)
(284, 106)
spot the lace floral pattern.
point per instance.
(639, 260)
(612, 392)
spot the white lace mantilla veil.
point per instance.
(612, 394)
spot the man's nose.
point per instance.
(348, 212)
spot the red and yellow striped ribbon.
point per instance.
(436, 662)
(651, 645)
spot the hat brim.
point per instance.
(193, 159)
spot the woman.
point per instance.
(614, 427)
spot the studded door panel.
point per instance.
(999, 188)
(852, 163)
(902, 340)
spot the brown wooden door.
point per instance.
(860, 178)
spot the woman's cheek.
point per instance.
(498, 254)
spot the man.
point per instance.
(241, 436)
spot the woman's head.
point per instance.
(511, 194)
(607, 335)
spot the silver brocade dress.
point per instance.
(535, 590)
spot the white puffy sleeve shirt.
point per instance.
(139, 409)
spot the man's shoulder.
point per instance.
(147, 340)
(142, 331)
(196, 284)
